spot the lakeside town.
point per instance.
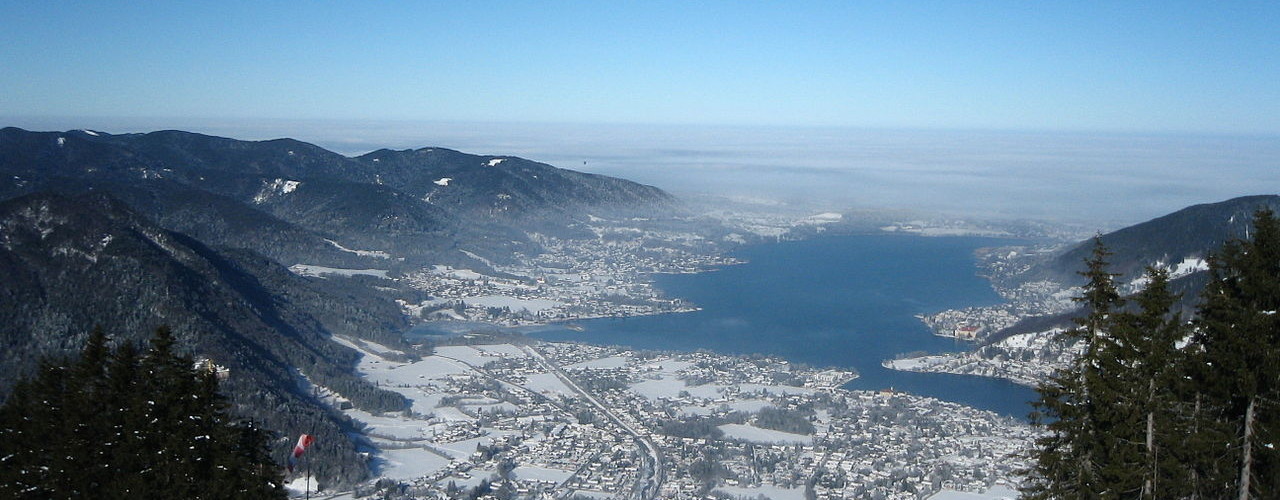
(508, 417)
(511, 417)
(610, 274)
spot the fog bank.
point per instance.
(1102, 179)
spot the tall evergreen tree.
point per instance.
(1137, 417)
(1075, 405)
(1148, 424)
(1238, 363)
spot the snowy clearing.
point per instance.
(997, 492)
(410, 463)
(547, 383)
(462, 274)
(770, 492)
(529, 473)
(824, 218)
(363, 253)
(755, 434)
(608, 363)
(671, 387)
(749, 405)
(300, 485)
(515, 304)
(776, 389)
(465, 354)
(321, 271)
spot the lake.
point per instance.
(844, 301)
(839, 301)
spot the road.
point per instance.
(649, 484)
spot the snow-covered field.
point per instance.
(466, 354)
(916, 364)
(321, 271)
(547, 383)
(749, 405)
(608, 363)
(363, 253)
(998, 492)
(541, 474)
(775, 389)
(410, 463)
(515, 304)
(670, 387)
(770, 492)
(462, 274)
(763, 436)
(419, 444)
(472, 480)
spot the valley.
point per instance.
(300, 271)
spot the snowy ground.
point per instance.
(419, 444)
(915, 364)
(1026, 359)
(541, 474)
(463, 420)
(763, 436)
(322, 271)
(608, 363)
(299, 486)
(547, 383)
(670, 387)
(998, 492)
(472, 480)
(770, 492)
(410, 463)
(515, 304)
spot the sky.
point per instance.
(1133, 66)
(805, 86)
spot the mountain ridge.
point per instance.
(384, 200)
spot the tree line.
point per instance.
(1161, 407)
(126, 422)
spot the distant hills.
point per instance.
(283, 197)
(1180, 242)
(1188, 234)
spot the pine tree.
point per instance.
(1238, 365)
(86, 403)
(1148, 427)
(1076, 405)
(30, 421)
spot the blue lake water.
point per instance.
(847, 301)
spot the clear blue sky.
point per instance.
(1110, 66)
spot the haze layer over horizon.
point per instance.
(1098, 179)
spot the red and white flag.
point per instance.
(304, 442)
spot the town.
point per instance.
(496, 415)
(512, 417)
(573, 278)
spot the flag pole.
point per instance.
(308, 458)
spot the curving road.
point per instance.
(649, 484)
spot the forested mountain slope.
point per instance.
(71, 263)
